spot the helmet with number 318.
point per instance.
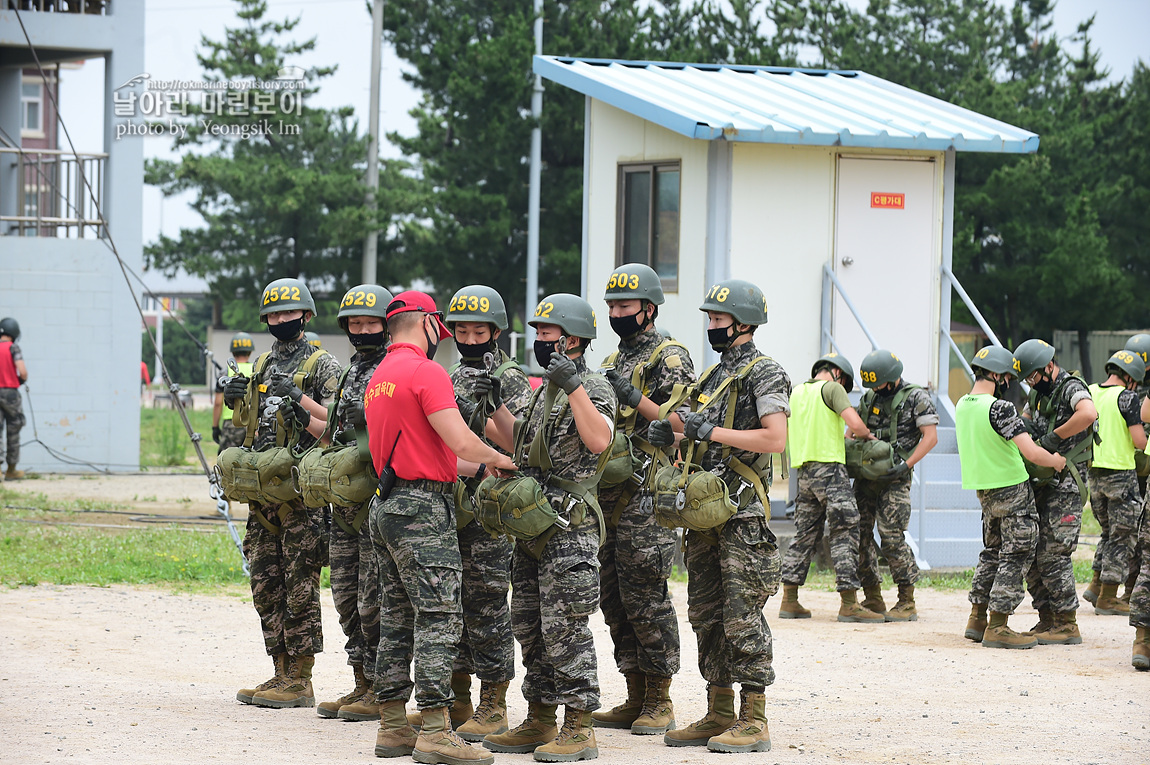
(740, 299)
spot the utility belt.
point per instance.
(425, 484)
(517, 506)
(263, 476)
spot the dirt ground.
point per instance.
(137, 675)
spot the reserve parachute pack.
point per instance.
(871, 459)
(1079, 457)
(689, 497)
(263, 476)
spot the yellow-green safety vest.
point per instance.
(989, 461)
(1116, 452)
(815, 433)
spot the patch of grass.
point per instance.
(39, 501)
(1090, 525)
(164, 441)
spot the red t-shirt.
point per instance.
(405, 388)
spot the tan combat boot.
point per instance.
(1045, 622)
(720, 716)
(438, 743)
(366, 707)
(1090, 594)
(536, 730)
(395, 738)
(999, 635)
(658, 713)
(976, 624)
(461, 710)
(331, 708)
(872, 600)
(280, 661)
(623, 715)
(13, 474)
(1108, 603)
(1064, 630)
(294, 690)
(790, 608)
(852, 611)
(491, 714)
(1140, 658)
(904, 610)
(749, 733)
(576, 739)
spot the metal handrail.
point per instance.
(828, 273)
(970, 306)
(957, 351)
(61, 152)
(51, 196)
(89, 7)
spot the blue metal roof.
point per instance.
(807, 107)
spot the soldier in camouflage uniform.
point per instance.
(735, 569)
(636, 556)
(224, 433)
(354, 575)
(477, 316)
(821, 411)
(555, 578)
(992, 441)
(1140, 601)
(286, 544)
(13, 373)
(419, 442)
(1063, 416)
(887, 500)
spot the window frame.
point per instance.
(624, 169)
(25, 101)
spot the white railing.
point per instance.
(45, 192)
(91, 7)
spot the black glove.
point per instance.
(236, 389)
(563, 373)
(660, 433)
(216, 435)
(1050, 442)
(284, 387)
(467, 408)
(485, 384)
(300, 413)
(898, 472)
(696, 427)
(627, 393)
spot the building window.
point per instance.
(32, 109)
(648, 221)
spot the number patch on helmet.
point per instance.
(358, 297)
(1124, 356)
(544, 310)
(720, 294)
(869, 376)
(276, 294)
(623, 281)
(472, 303)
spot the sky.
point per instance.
(342, 29)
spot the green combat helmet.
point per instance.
(1140, 346)
(880, 367)
(1032, 356)
(995, 358)
(832, 359)
(242, 344)
(285, 295)
(10, 327)
(635, 281)
(313, 339)
(1129, 362)
(477, 303)
(363, 300)
(740, 299)
(570, 313)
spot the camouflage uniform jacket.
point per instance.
(917, 411)
(349, 407)
(514, 388)
(674, 368)
(765, 390)
(1073, 392)
(1005, 420)
(287, 358)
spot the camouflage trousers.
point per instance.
(1140, 595)
(824, 495)
(355, 587)
(886, 503)
(417, 553)
(285, 568)
(487, 648)
(12, 418)
(1117, 506)
(1009, 538)
(727, 587)
(1050, 578)
(552, 600)
(634, 564)
(230, 435)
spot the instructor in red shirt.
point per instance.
(414, 425)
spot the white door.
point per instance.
(887, 258)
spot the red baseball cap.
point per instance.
(412, 300)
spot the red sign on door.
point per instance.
(887, 200)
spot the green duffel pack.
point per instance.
(1141, 463)
(869, 460)
(515, 506)
(264, 476)
(688, 497)
(621, 462)
(464, 504)
(336, 475)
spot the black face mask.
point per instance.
(473, 351)
(543, 351)
(1043, 387)
(369, 341)
(288, 330)
(432, 345)
(884, 392)
(627, 327)
(719, 339)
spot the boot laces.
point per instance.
(488, 702)
(572, 724)
(651, 702)
(746, 721)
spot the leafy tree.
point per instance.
(182, 353)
